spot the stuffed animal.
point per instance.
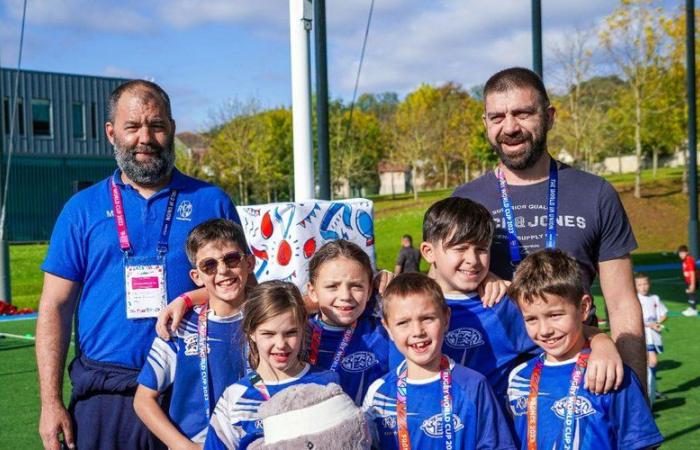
(312, 417)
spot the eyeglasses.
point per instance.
(210, 265)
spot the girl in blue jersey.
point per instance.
(274, 322)
(429, 401)
(343, 338)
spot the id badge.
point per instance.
(146, 293)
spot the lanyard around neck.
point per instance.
(316, 343)
(203, 350)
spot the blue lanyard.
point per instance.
(203, 350)
(120, 220)
(509, 212)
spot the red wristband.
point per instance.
(188, 301)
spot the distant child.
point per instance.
(206, 345)
(429, 401)
(342, 337)
(550, 408)
(457, 236)
(654, 313)
(274, 322)
(689, 273)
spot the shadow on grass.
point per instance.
(682, 432)
(683, 387)
(668, 364)
(19, 372)
(16, 346)
(668, 404)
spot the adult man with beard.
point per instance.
(538, 202)
(118, 246)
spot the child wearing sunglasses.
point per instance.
(204, 356)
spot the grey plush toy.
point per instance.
(312, 417)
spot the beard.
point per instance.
(150, 172)
(528, 156)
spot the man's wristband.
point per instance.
(188, 301)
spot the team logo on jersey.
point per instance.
(110, 213)
(389, 422)
(191, 347)
(359, 361)
(433, 426)
(464, 338)
(582, 408)
(519, 405)
(184, 210)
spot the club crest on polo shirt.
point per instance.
(389, 422)
(582, 407)
(519, 406)
(359, 361)
(433, 425)
(184, 210)
(464, 338)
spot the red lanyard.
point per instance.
(576, 377)
(446, 404)
(316, 344)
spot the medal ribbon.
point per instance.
(257, 382)
(509, 212)
(120, 220)
(340, 351)
(568, 429)
(445, 403)
(203, 350)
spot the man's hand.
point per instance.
(54, 422)
(492, 290)
(605, 370)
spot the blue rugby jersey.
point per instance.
(366, 358)
(491, 341)
(614, 421)
(177, 363)
(236, 423)
(477, 420)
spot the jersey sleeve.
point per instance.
(631, 417)
(401, 258)
(514, 324)
(158, 373)
(661, 309)
(225, 431)
(616, 237)
(67, 253)
(493, 431)
(370, 412)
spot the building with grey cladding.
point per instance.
(59, 145)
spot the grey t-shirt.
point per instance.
(408, 259)
(592, 225)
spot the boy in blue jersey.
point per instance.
(457, 235)
(429, 401)
(549, 407)
(208, 344)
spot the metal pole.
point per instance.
(692, 138)
(537, 37)
(299, 25)
(5, 291)
(324, 161)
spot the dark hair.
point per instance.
(267, 300)
(456, 220)
(411, 283)
(214, 230)
(547, 272)
(640, 275)
(682, 248)
(339, 249)
(147, 89)
(515, 78)
(408, 236)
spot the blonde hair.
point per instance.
(267, 300)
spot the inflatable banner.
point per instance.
(284, 236)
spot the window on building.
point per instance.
(19, 114)
(93, 120)
(78, 116)
(41, 117)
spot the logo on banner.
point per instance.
(433, 426)
(359, 361)
(464, 338)
(184, 210)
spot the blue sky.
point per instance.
(207, 52)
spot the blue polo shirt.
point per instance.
(84, 248)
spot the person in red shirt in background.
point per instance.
(688, 268)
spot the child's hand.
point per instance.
(382, 280)
(492, 290)
(171, 315)
(605, 370)
(655, 326)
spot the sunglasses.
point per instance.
(210, 265)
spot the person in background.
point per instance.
(689, 274)
(409, 257)
(654, 312)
